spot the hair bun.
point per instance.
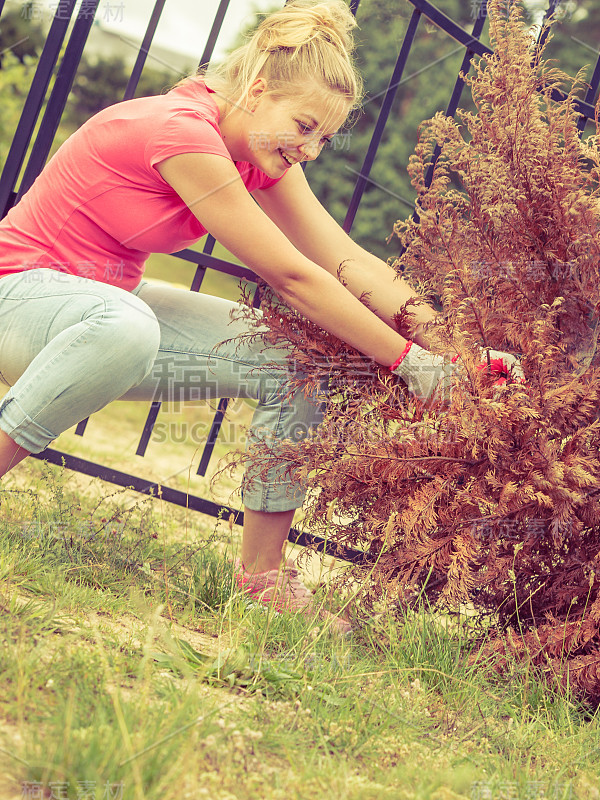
(306, 43)
(301, 21)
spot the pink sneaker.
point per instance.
(285, 591)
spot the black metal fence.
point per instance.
(33, 139)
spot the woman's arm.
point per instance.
(213, 190)
(293, 207)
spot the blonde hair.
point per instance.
(307, 41)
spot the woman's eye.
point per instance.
(306, 129)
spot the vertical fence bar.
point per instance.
(590, 95)
(134, 79)
(466, 62)
(60, 92)
(212, 436)
(199, 276)
(142, 55)
(148, 428)
(545, 28)
(457, 90)
(210, 241)
(33, 104)
(209, 246)
(214, 33)
(384, 113)
(56, 105)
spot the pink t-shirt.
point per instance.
(100, 207)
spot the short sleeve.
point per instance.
(184, 132)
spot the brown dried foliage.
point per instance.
(494, 500)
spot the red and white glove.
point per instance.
(428, 375)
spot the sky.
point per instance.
(184, 24)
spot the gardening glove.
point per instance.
(425, 374)
(428, 375)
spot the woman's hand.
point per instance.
(425, 374)
(429, 376)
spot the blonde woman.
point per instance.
(221, 152)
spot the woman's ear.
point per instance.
(255, 92)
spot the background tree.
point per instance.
(15, 79)
(21, 42)
(20, 34)
(576, 36)
(426, 85)
(101, 82)
(429, 75)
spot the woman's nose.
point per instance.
(311, 149)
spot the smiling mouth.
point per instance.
(287, 159)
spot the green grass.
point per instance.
(130, 667)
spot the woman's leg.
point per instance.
(68, 346)
(198, 359)
(10, 453)
(265, 533)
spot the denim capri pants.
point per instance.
(70, 345)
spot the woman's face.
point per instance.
(280, 131)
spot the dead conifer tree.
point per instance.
(494, 499)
